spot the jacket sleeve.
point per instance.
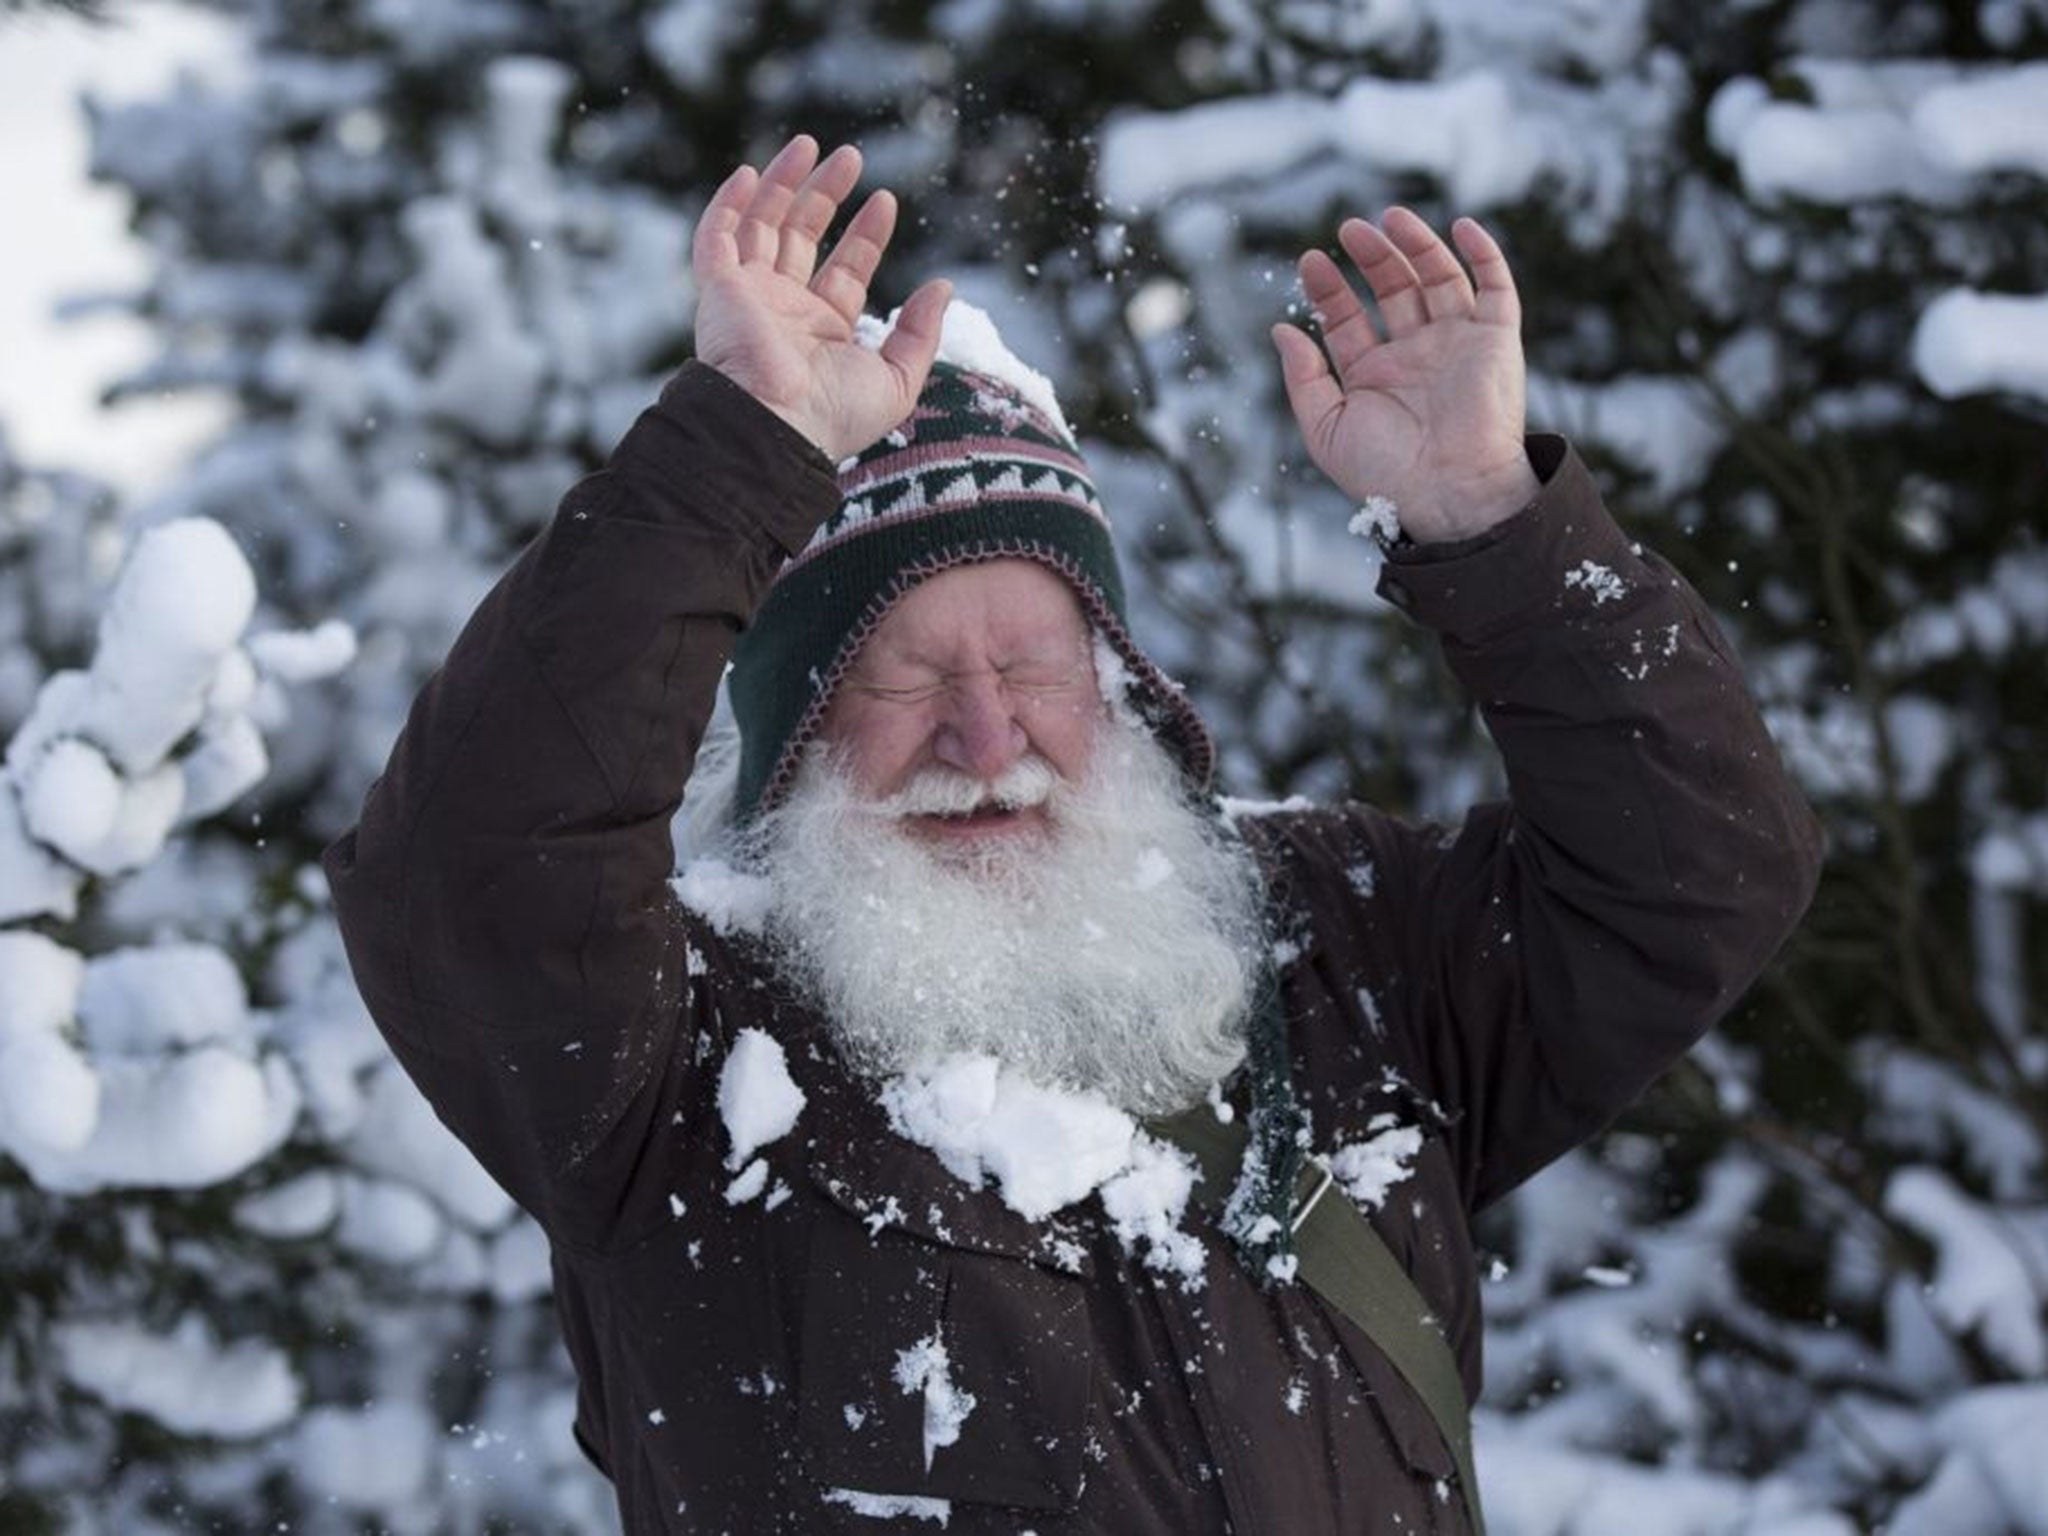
(1569, 945)
(504, 898)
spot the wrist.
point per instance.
(790, 436)
(772, 395)
(1467, 507)
(811, 431)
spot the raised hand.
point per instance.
(780, 325)
(1430, 414)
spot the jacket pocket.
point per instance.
(1411, 1432)
(936, 1363)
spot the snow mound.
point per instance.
(185, 1380)
(968, 339)
(1045, 1148)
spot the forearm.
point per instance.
(1654, 853)
(508, 872)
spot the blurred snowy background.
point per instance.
(366, 284)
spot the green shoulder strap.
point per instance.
(1350, 1266)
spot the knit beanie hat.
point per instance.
(985, 468)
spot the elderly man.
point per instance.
(1003, 1138)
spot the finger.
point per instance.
(1446, 290)
(812, 212)
(1312, 389)
(760, 235)
(1347, 328)
(1498, 302)
(1395, 287)
(911, 346)
(843, 280)
(714, 246)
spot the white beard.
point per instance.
(1115, 955)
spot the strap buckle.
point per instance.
(1318, 1164)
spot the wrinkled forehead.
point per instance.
(988, 608)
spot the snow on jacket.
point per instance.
(751, 1364)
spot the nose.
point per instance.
(978, 730)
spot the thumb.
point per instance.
(910, 347)
(1312, 389)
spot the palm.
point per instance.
(781, 325)
(773, 330)
(1430, 414)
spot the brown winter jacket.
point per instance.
(1507, 986)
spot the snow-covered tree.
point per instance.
(1782, 264)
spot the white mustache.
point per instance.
(1030, 781)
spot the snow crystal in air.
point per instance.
(926, 1368)
(757, 1098)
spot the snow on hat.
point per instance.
(985, 468)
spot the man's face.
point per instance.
(981, 674)
(1104, 937)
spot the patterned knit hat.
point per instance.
(984, 469)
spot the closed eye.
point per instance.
(1029, 679)
(901, 693)
(1041, 679)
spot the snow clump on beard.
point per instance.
(1115, 954)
